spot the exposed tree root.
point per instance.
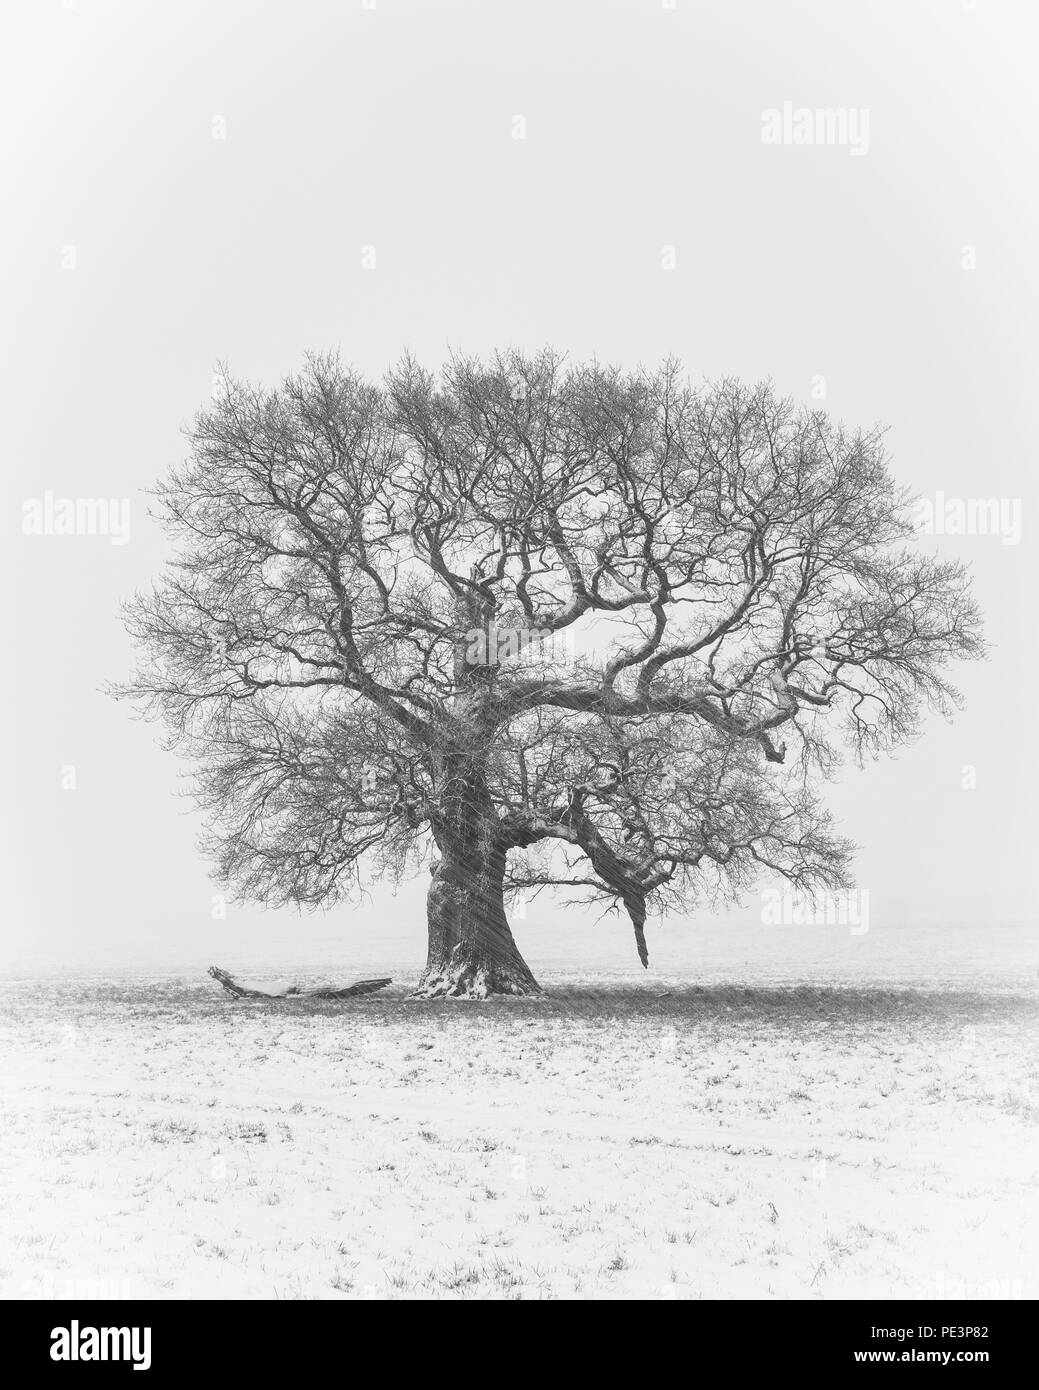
(459, 978)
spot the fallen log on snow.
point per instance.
(290, 991)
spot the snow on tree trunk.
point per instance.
(472, 954)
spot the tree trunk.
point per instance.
(472, 954)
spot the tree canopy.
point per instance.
(627, 622)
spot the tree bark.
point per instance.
(472, 954)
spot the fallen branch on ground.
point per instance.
(242, 991)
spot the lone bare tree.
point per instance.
(528, 623)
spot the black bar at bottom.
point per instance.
(168, 1341)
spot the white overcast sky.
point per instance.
(392, 127)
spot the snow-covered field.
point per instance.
(625, 1137)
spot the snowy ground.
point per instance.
(756, 1139)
